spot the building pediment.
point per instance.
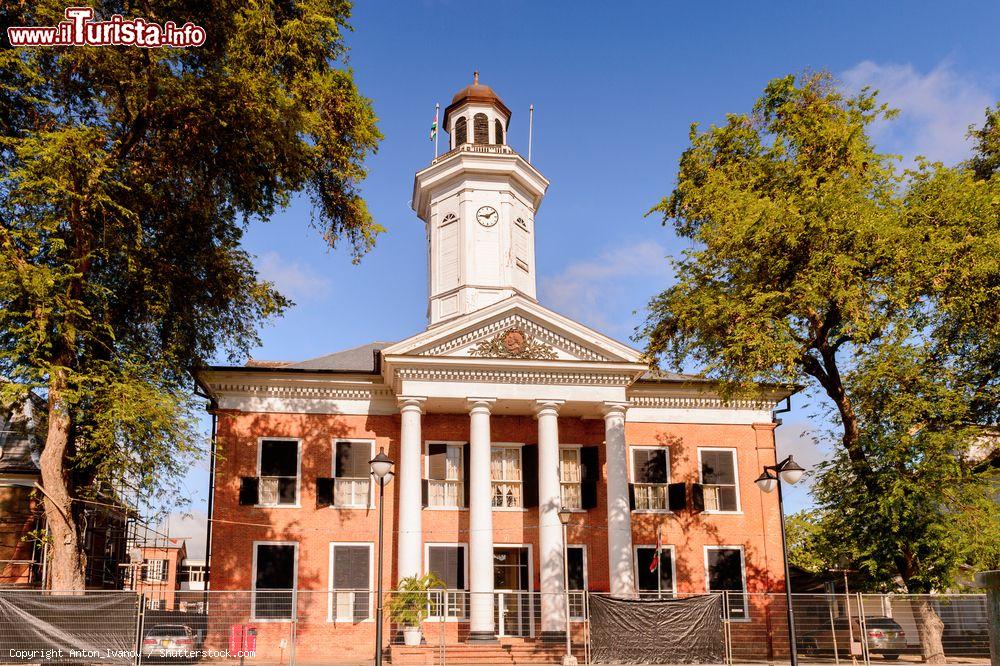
(515, 329)
(514, 350)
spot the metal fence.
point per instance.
(281, 627)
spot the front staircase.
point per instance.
(506, 651)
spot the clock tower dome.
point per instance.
(478, 202)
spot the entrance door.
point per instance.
(512, 583)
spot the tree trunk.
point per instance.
(930, 629)
(68, 560)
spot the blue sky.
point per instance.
(615, 88)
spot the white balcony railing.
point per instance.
(478, 148)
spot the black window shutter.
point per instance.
(631, 496)
(437, 455)
(248, 490)
(460, 568)
(465, 474)
(591, 472)
(424, 493)
(529, 475)
(342, 458)
(697, 497)
(324, 492)
(676, 496)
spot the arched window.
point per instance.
(461, 131)
(498, 130)
(480, 128)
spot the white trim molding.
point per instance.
(743, 572)
(371, 580)
(673, 566)
(732, 450)
(295, 582)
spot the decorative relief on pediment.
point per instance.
(494, 330)
(513, 343)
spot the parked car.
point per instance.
(169, 640)
(883, 635)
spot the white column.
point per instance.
(481, 627)
(550, 536)
(408, 473)
(620, 570)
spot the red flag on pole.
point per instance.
(655, 562)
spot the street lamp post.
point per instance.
(564, 516)
(788, 471)
(381, 466)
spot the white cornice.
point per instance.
(321, 386)
(501, 375)
(697, 402)
(508, 165)
(690, 395)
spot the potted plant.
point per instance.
(410, 604)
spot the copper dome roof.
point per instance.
(476, 92)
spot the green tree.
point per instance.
(128, 178)
(802, 532)
(816, 258)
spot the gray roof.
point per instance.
(20, 442)
(358, 359)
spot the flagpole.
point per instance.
(531, 124)
(437, 130)
(659, 563)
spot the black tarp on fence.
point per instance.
(657, 631)
(50, 628)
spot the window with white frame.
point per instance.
(155, 571)
(650, 477)
(447, 562)
(445, 474)
(726, 573)
(279, 472)
(352, 474)
(153, 604)
(350, 582)
(274, 581)
(505, 471)
(570, 477)
(576, 566)
(718, 479)
(654, 578)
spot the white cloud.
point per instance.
(296, 281)
(188, 526)
(592, 290)
(936, 108)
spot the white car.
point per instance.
(168, 640)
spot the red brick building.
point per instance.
(157, 577)
(497, 415)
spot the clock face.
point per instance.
(487, 216)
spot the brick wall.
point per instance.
(236, 527)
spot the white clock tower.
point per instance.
(478, 201)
